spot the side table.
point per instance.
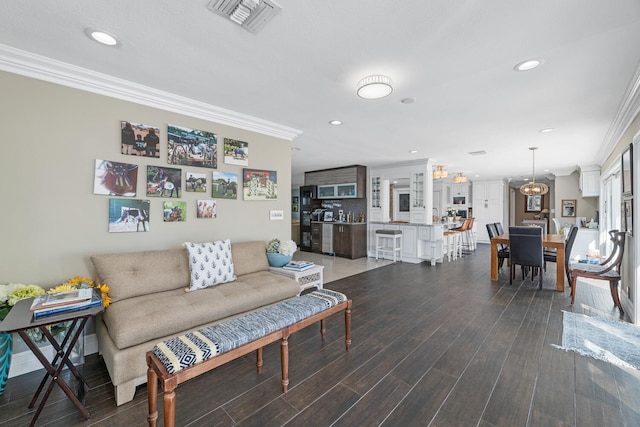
(20, 319)
(309, 278)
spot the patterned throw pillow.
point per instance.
(210, 263)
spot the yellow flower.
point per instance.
(80, 282)
(61, 288)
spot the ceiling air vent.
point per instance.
(251, 15)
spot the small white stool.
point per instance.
(452, 244)
(396, 242)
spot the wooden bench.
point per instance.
(179, 359)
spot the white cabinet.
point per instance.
(379, 199)
(409, 240)
(590, 181)
(418, 196)
(417, 190)
(488, 206)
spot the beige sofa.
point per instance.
(150, 303)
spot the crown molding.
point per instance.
(627, 111)
(43, 68)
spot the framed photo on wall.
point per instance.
(236, 152)
(569, 208)
(533, 203)
(627, 214)
(259, 184)
(224, 185)
(191, 147)
(128, 215)
(627, 171)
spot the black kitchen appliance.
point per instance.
(308, 195)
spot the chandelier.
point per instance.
(440, 172)
(459, 178)
(532, 188)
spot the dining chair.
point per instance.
(525, 248)
(608, 269)
(568, 245)
(503, 250)
(557, 224)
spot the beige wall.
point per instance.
(51, 221)
(567, 188)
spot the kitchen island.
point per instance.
(420, 242)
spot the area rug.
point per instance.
(609, 340)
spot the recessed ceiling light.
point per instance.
(547, 130)
(413, 151)
(408, 100)
(295, 149)
(335, 122)
(102, 37)
(527, 65)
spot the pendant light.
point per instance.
(440, 172)
(532, 188)
(459, 178)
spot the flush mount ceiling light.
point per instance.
(459, 178)
(440, 172)
(101, 37)
(532, 188)
(335, 122)
(374, 87)
(527, 65)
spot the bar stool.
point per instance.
(451, 244)
(396, 242)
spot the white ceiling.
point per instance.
(455, 58)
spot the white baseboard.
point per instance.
(25, 362)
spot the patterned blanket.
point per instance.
(186, 350)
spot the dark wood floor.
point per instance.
(440, 346)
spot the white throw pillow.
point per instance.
(210, 263)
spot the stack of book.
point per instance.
(299, 265)
(63, 302)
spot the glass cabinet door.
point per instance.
(346, 190)
(417, 190)
(375, 192)
(326, 191)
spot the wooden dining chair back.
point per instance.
(503, 250)
(608, 269)
(525, 248)
(568, 246)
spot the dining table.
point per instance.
(555, 241)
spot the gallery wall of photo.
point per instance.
(185, 172)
